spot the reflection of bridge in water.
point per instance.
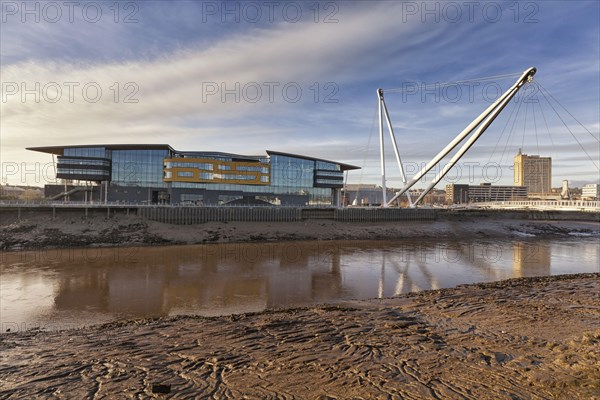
(429, 267)
(79, 286)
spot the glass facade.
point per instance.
(138, 167)
(161, 174)
(177, 164)
(290, 177)
(327, 165)
(96, 152)
(83, 164)
(292, 173)
(328, 174)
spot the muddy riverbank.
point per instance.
(522, 338)
(42, 231)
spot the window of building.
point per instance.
(139, 167)
(249, 168)
(85, 152)
(330, 173)
(292, 172)
(327, 166)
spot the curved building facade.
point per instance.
(159, 174)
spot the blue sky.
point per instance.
(178, 56)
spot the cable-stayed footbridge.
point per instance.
(471, 134)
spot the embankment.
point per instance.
(68, 227)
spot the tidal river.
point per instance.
(67, 288)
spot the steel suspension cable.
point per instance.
(537, 142)
(512, 129)
(546, 123)
(525, 125)
(572, 116)
(566, 126)
(366, 154)
(512, 111)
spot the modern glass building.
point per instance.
(158, 174)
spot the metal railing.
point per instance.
(543, 205)
(579, 205)
(118, 204)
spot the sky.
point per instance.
(301, 77)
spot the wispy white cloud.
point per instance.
(370, 47)
(180, 85)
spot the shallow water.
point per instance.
(66, 288)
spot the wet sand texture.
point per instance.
(526, 338)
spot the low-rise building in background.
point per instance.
(591, 191)
(485, 192)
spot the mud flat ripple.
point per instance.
(526, 338)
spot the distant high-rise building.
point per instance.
(534, 172)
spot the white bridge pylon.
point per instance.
(477, 127)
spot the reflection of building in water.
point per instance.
(531, 259)
(88, 290)
(215, 296)
(215, 279)
(133, 293)
(590, 253)
(306, 273)
(234, 278)
(120, 289)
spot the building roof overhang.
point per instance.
(59, 150)
(344, 167)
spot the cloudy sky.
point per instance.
(301, 77)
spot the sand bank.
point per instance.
(528, 338)
(44, 232)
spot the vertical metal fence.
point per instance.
(198, 215)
